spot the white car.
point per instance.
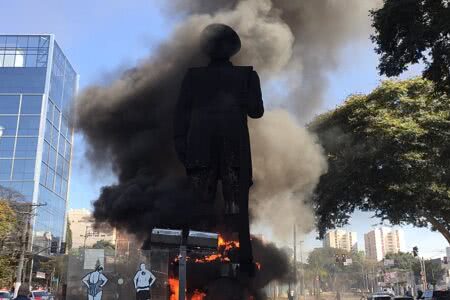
(5, 295)
(39, 295)
(381, 296)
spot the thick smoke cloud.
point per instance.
(128, 124)
(288, 163)
(320, 30)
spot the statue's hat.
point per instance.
(220, 41)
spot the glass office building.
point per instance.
(37, 85)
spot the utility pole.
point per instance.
(423, 273)
(24, 245)
(302, 287)
(85, 236)
(295, 263)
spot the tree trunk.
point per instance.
(438, 226)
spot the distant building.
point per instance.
(83, 232)
(383, 240)
(341, 239)
(126, 244)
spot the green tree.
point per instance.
(8, 219)
(387, 153)
(434, 271)
(6, 271)
(68, 237)
(8, 222)
(410, 31)
(102, 244)
(404, 261)
(333, 274)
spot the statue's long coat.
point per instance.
(215, 101)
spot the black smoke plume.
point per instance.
(128, 124)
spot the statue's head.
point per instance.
(142, 267)
(220, 41)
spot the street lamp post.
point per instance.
(302, 289)
(86, 236)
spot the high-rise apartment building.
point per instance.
(383, 240)
(341, 239)
(37, 85)
(84, 233)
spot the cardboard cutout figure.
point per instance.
(143, 281)
(95, 281)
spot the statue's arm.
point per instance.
(182, 117)
(255, 106)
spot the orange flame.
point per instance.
(222, 256)
(174, 292)
(221, 241)
(198, 295)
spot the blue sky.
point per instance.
(100, 37)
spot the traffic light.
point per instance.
(340, 258)
(415, 251)
(62, 250)
(54, 247)
(445, 260)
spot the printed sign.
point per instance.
(389, 262)
(93, 258)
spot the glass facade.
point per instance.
(37, 85)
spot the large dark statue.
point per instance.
(211, 133)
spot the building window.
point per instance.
(8, 60)
(9, 104)
(5, 169)
(29, 125)
(54, 140)
(6, 147)
(23, 51)
(52, 158)
(43, 177)
(45, 152)
(23, 169)
(31, 104)
(50, 179)
(26, 147)
(9, 123)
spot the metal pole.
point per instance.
(182, 274)
(302, 290)
(19, 269)
(424, 276)
(295, 264)
(31, 271)
(85, 237)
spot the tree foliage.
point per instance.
(7, 219)
(69, 240)
(8, 223)
(388, 152)
(406, 261)
(412, 31)
(102, 244)
(333, 275)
